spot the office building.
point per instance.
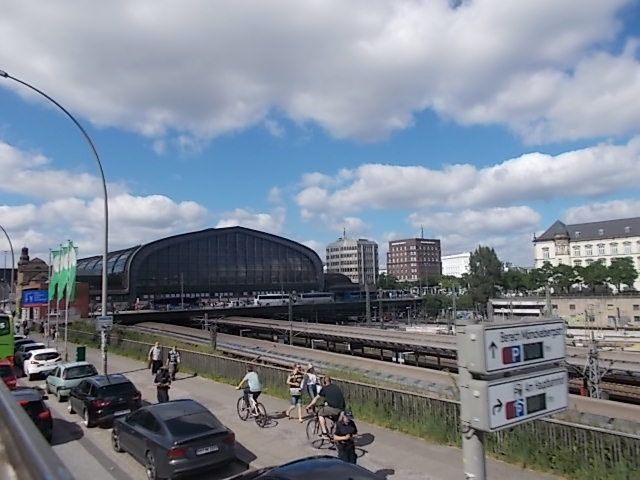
(456, 265)
(357, 259)
(414, 259)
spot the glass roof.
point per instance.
(116, 262)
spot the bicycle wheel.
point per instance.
(243, 411)
(261, 418)
(313, 433)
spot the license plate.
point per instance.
(205, 450)
(121, 412)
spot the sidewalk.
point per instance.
(394, 455)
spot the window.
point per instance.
(636, 307)
(588, 250)
(589, 261)
(600, 231)
(636, 319)
(572, 306)
(576, 251)
(601, 249)
(614, 249)
(577, 263)
(627, 229)
(626, 248)
(577, 234)
(545, 252)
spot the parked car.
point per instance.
(39, 362)
(8, 374)
(68, 375)
(102, 398)
(174, 438)
(22, 341)
(311, 468)
(26, 348)
(32, 400)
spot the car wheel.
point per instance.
(115, 441)
(86, 419)
(150, 467)
(59, 395)
(30, 376)
(70, 408)
(46, 387)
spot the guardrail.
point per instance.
(577, 450)
(24, 453)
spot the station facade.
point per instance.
(208, 264)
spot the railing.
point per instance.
(577, 450)
(24, 453)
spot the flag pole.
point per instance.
(66, 304)
(47, 329)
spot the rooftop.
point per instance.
(620, 228)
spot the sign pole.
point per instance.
(473, 456)
(103, 349)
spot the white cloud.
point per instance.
(274, 128)
(591, 171)
(275, 196)
(603, 211)
(272, 222)
(359, 69)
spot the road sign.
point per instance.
(105, 321)
(498, 404)
(491, 348)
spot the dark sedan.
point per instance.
(311, 468)
(174, 438)
(32, 400)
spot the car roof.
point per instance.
(319, 468)
(31, 344)
(176, 408)
(27, 393)
(24, 341)
(112, 379)
(73, 364)
(43, 350)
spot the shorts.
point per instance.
(295, 400)
(328, 411)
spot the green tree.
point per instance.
(622, 272)
(387, 282)
(594, 275)
(451, 283)
(515, 280)
(563, 277)
(485, 274)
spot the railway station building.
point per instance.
(195, 267)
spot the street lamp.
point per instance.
(13, 261)
(105, 251)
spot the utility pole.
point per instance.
(380, 316)
(181, 290)
(368, 303)
(454, 312)
(290, 319)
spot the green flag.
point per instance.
(73, 263)
(64, 272)
(55, 267)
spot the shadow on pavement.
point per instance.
(188, 377)
(65, 432)
(134, 370)
(364, 439)
(384, 473)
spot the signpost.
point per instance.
(508, 374)
(104, 321)
(103, 324)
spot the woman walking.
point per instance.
(311, 381)
(294, 381)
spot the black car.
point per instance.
(102, 398)
(32, 400)
(21, 341)
(311, 468)
(174, 438)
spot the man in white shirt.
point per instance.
(253, 385)
(155, 358)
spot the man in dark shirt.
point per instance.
(163, 383)
(334, 403)
(344, 435)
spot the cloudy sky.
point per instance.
(481, 121)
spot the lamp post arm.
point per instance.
(13, 262)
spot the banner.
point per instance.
(63, 277)
(55, 269)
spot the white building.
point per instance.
(584, 243)
(456, 265)
(357, 259)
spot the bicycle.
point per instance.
(255, 408)
(314, 431)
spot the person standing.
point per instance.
(163, 383)
(344, 435)
(155, 358)
(174, 362)
(311, 381)
(294, 381)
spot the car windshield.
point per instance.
(116, 390)
(46, 356)
(194, 424)
(6, 371)
(80, 371)
(34, 346)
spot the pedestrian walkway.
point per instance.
(394, 455)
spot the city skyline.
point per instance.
(482, 122)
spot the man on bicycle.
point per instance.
(253, 385)
(333, 404)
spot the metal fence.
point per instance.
(578, 450)
(24, 453)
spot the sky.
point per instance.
(480, 122)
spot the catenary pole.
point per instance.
(105, 250)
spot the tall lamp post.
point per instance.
(105, 251)
(13, 262)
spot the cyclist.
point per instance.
(333, 404)
(253, 386)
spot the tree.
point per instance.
(387, 282)
(516, 280)
(485, 272)
(563, 277)
(622, 272)
(594, 274)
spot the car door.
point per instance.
(125, 429)
(139, 434)
(53, 380)
(78, 396)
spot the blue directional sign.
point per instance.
(33, 298)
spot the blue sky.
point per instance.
(483, 121)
